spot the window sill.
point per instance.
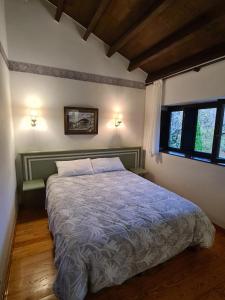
(201, 159)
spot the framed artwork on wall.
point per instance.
(80, 120)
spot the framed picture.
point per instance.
(80, 120)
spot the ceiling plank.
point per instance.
(198, 59)
(59, 10)
(94, 21)
(187, 29)
(134, 29)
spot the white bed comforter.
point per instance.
(108, 227)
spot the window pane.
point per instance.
(222, 141)
(175, 129)
(205, 130)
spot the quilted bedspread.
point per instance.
(111, 226)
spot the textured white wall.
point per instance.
(35, 37)
(7, 155)
(202, 183)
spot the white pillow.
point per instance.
(74, 167)
(101, 165)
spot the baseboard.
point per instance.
(6, 273)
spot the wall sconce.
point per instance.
(118, 120)
(33, 118)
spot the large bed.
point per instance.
(111, 226)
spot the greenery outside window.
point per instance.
(205, 130)
(195, 131)
(175, 131)
(222, 138)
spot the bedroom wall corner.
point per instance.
(7, 161)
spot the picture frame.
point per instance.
(80, 120)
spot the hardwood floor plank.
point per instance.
(50, 297)
(32, 249)
(217, 293)
(195, 274)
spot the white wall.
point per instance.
(55, 93)
(193, 86)
(3, 37)
(7, 154)
(35, 37)
(200, 182)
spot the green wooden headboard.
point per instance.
(35, 165)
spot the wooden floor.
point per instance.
(194, 274)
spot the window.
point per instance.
(195, 131)
(176, 120)
(205, 130)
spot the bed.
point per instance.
(111, 226)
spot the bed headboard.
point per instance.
(35, 165)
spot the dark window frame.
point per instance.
(189, 126)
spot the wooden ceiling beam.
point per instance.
(94, 21)
(201, 58)
(59, 10)
(137, 27)
(187, 29)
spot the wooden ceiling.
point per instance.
(162, 37)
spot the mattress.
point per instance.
(111, 226)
